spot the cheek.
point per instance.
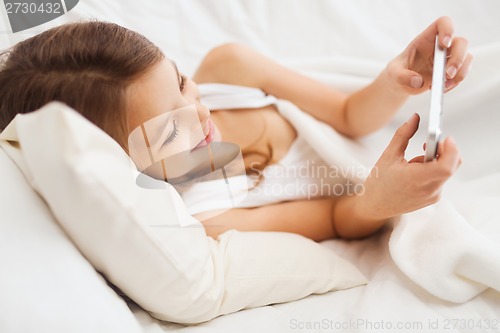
(181, 143)
(190, 120)
(189, 132)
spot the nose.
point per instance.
(193, 96)
(203, 113)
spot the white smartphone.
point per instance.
(436, 107)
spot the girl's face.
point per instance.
(165, 116)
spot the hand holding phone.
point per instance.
(436, 106)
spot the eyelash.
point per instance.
(174, 134)
(183, 82)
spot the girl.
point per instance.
(119, 80)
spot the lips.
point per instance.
(209, 137)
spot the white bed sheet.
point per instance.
(390, 299)
(317, 38)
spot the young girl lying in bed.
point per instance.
(119, 80)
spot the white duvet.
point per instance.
(446, 252)
(452, 248)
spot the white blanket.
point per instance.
(345, 44)
(452, 248)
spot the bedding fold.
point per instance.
(145, 242)
(452, 248)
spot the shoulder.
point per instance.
(227, 51)
(227, 63)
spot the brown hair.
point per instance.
(86, 65)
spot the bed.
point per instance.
(344, 44)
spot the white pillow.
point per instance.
(144, 241)
(46, 285)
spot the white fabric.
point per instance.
(136, 238)
(300, 174)
(46, 285)
(390, 302)
(452, 249)
(344, 44)
(218, 96)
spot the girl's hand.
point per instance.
(411, 71)
(396, 186)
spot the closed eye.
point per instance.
(174, 133)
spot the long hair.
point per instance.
(86, 65)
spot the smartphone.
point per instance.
(436, 106)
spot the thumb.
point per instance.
(399, 141)
(410, 79)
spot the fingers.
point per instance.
(400, 140)
(408, 79)
(413, 70)
(445, 31)
(443, 27)
(459, 60)
(448, 159)
(458, 64)
(457, 53)
(461, 74)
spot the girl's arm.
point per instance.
(353, 115)
(317, 219)
(395, 186)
